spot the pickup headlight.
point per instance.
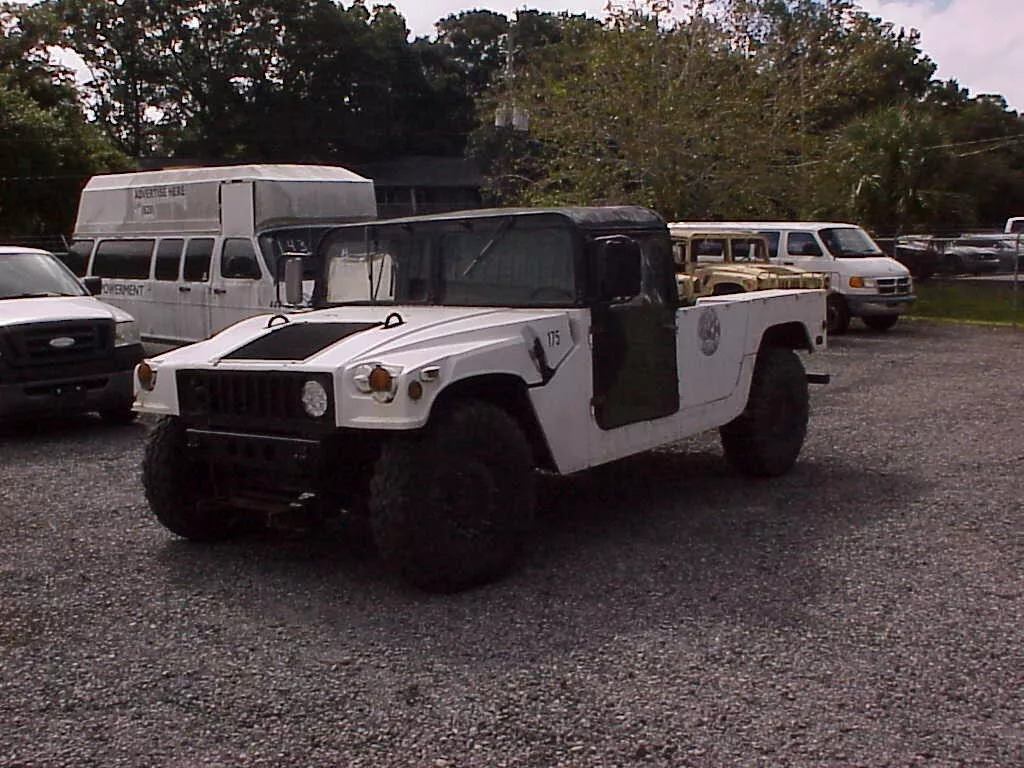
(126, 332)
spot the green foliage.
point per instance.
(753, 109)
(285, 80)
(700, 108)
(47, 147)
(889, 170)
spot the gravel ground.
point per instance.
(864, 610)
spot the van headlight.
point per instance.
(863, 282)
(315, 401)
(126, 332)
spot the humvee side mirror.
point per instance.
(293, 281)
(616, 266)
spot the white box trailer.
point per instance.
(189, 251)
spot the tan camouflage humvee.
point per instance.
(715, 263)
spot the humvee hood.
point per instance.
(349, 333)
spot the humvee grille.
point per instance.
(244, 397)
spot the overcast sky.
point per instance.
(980, 43)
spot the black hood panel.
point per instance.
(297, 341)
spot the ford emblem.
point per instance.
(62, 342)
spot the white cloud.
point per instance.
(976, 42)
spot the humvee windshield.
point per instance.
(526, 261)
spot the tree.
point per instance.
(47, 148)
(275, 80)
(650, 110)
(889, 172)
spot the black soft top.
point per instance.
(601, 218)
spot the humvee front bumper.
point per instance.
(294, 456)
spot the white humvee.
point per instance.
(450, 356)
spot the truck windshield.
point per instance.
(849, 242)
(33, 275)
(487, 262)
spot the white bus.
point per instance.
(190, 251)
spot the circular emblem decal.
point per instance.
(709, 331)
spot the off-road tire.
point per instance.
(880, 322)
(450, 507)
(176, 486)
(765, 440)
(837, 314)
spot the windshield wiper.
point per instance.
(499, 233)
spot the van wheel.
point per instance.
(880, 322)
(451, 507)
(837, 314)
(176, 487)
(766, 438)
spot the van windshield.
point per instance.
(849, 242)
(35, 275)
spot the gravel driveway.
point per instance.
(864, 610)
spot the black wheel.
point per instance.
(880, 322)
(450, 508)
(837, 314)
(118, 417)
(176, 487)
(766, 438)
(954, 264)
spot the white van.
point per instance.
(1014, 225)
(190, 251)
(864, 282)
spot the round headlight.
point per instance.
(314, 399)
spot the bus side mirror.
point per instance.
(616, 266)
(293, 281)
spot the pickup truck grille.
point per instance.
(251, 399)
(894, 286)
(61, 349)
